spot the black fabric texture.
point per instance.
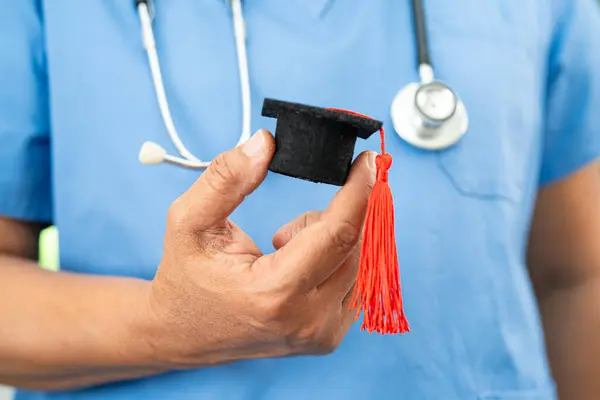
(315, 144)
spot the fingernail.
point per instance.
(255, 147)
(371, 161)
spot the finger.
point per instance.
(317, 251)
(342, 321)
(231, 177)
(348, 299)
(349, 205)
(348, 315)
(292, 228)
(341, 282)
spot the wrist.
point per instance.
(172, 339)
(146, 328)
(157, 330)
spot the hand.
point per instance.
(216, 298)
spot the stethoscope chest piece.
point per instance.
(429, 115)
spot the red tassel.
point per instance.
(378, 294)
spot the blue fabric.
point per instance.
(74, 74)
(25, 183)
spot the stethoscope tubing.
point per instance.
(152, 153)
(420, 28)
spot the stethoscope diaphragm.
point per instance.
(429, 116)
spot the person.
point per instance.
(232, 282)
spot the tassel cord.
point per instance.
(378, 294)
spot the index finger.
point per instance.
(317, 251)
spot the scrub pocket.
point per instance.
(495, 64)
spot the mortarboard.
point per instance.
(317, 144)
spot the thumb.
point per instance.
(229, 178)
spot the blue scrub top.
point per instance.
(76, 103)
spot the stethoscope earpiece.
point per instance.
(152, 153)
(428, 115)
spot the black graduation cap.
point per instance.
(315, 144)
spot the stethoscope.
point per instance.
(428, 114)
